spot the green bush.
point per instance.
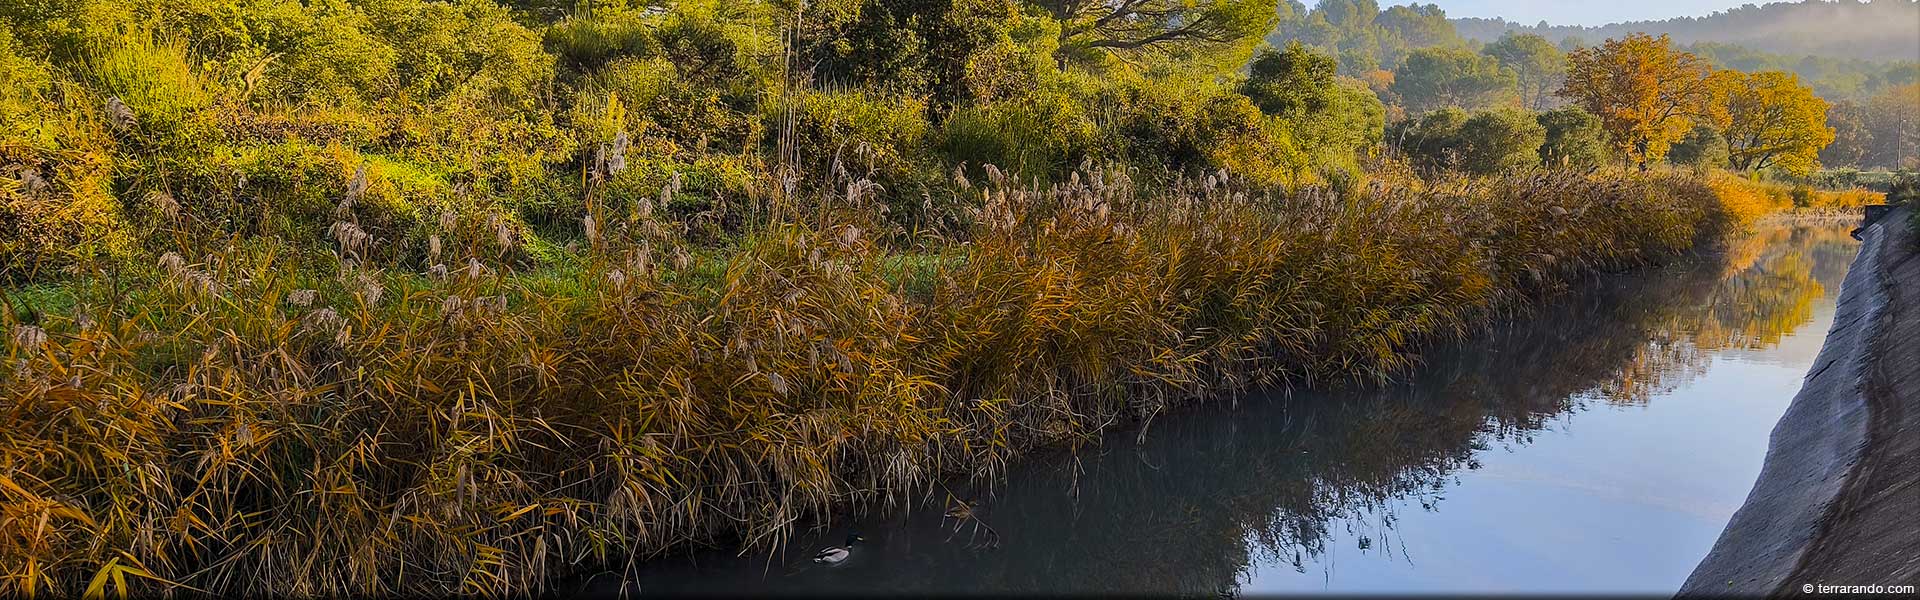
(1334, 120)
(870, 133)
(1500, 140)
(1483, 143)
(1574, 139)
(1703, 147)
(56, 202)
(149, 86)
(1431, 141)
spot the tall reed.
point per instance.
(225, 422)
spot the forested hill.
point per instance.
(1881, 30)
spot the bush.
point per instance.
(874, 134)
(1332, 119)
(1702, 148)
(150, 87)
(1432, 140)
(1486, 142)
(1574, 139)
(1501, 140)
(56, 204)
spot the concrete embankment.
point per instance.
(1838, 501)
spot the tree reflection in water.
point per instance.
(1210, 492)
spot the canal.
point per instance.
(1596, 444)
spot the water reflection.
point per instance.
(1213, 497)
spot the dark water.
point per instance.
(1598, 444)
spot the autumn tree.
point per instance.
(1894, 118)
(1768, 120)
(1433, 78)
(1537, 66)
(1642, 89)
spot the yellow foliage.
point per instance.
(1769, 120)
(1744, 201)
(1643, 90)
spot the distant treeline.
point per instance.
(1417, 61)
(1881, 30)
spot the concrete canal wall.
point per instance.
(1838, 501)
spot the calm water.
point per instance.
(1598, 444)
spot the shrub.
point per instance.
(873, 134)
(56, 203)
(1703, 147)
(1574, 139)
(1500, 140)
(1432, 140)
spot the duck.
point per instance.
(834, 555)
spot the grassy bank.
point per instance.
(239, 419)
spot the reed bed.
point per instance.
(241, 422)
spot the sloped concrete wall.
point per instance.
(1819, 446)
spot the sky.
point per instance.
(1580, 12)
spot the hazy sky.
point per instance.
(1578, 12)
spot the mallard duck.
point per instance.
(834, 555)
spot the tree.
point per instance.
(1851, 138)
(1290, 82)
(1894, 118)
(1135, 25)
(1361, 35)
(1434, 78)
(1328, 116)
(1538, 67)
(1499, 140)
(1769, 120)
(1574, 138)
(1431, 141)
(1642, 89)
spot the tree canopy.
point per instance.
(1643, 90)
(1434, 78)
(1137, 25)
(1539, 68)
(1768, 120)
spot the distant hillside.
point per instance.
(1882, 30)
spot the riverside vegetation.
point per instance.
(402, 296)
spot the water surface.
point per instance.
(1597, 444)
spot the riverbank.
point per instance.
(1834, 504)
(1370, 489)
(224, 419)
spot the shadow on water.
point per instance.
(1213, 492)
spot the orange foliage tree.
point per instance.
(1644, 91)
(1768, 120)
